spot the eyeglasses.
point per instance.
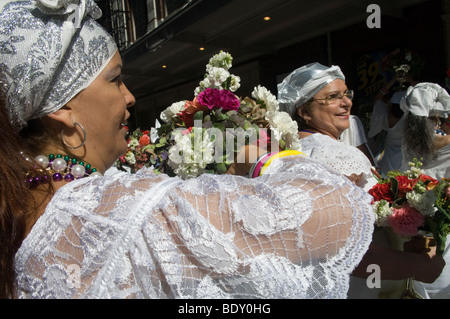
(335, 98)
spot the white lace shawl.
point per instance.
(339, 156)
(297, 232)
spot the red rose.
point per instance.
(405, 185)
(381, 191)
(432, 183)
(144, 140)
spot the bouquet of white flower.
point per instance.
(203, 135)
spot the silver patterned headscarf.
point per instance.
(303, 83)
(426, 99)
(50, 50)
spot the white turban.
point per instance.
(426, 99)
(303, 83)
(50, 50)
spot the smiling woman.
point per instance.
(317, 97)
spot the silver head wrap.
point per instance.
(303, 83)
(50, 50)
(426, 99)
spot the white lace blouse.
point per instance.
(342, 158)
(296, 232)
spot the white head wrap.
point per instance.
(50, 50)
(426, 99)
(303, 83)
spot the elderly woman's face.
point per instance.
(102, 110)
(331, 117)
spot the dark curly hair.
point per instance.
(17, 203)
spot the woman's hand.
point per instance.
(244, 160)
(355, 178)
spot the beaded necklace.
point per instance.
(58, 168)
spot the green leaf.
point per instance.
(247, 125)
(198, 115)
(219, 126)
(394, 186)
(227, 83)
(221, 168)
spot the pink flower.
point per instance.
(406, 220)
(215, 98)
(447, 192)
(264, 139)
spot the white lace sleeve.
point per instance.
(296, 232)
(340, 157)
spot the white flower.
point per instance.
(221, 60)
(130, 158)
(189, 159)
(262, 93)
(281, 124)
(424, 203)
(293, 142)
(414, 170)
(172, 111)
(216, 76)
(133, 143)
(382, 211)
(235, 83)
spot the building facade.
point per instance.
(165, 44)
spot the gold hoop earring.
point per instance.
(84, 137)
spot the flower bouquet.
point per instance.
(204, 134)
(413, 203)
(142, 152)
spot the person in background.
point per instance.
(389, 118)
(318, 98)
(355, 136)
(427, 138)
(66, 231)
(386, 124)
(427, 107)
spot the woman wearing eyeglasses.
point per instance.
(317, 97)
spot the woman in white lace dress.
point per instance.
(298, 231)
(318, 98)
